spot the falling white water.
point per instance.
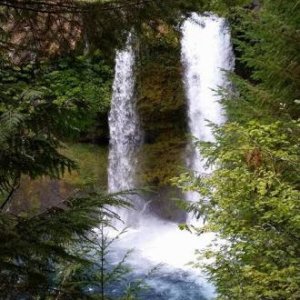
(125, 133)
(154, 241)
(206, 54)
(206, 49)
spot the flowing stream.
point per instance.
(206, 49)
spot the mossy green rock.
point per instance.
(40, 194)
(161, 106)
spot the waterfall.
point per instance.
(206, 49)
(125, 132)
(206, 53)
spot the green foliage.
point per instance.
(33, 249)
(31, 124)
(40, 105)
(39, 256)
(78, 88)
(253, 205)
(102, 275)
(26, 141)
(92, 162)
(83, 84)
(43, 192)
(251, 199)
(267, 42)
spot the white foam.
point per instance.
(157, 242)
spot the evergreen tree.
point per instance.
(35, 248)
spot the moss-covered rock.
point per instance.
(162, 110)
(161, 105)
(40, 194)
(161, 160)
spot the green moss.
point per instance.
(42, 193)
(161, 161)
(161, 106)
(92, 161)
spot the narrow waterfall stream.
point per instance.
(206, 54)
(124, 127)
(205, 49)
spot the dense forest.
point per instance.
(61, 199)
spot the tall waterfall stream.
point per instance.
(206, 49)
(124, 127)
(206, 54)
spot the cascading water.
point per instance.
(125, 132)
(206, 54)
(205, 49)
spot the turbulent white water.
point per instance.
(206, 54)
(205, 49)
(125, 132)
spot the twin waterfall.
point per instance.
(206, 52)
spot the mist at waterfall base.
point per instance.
(159, 244)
